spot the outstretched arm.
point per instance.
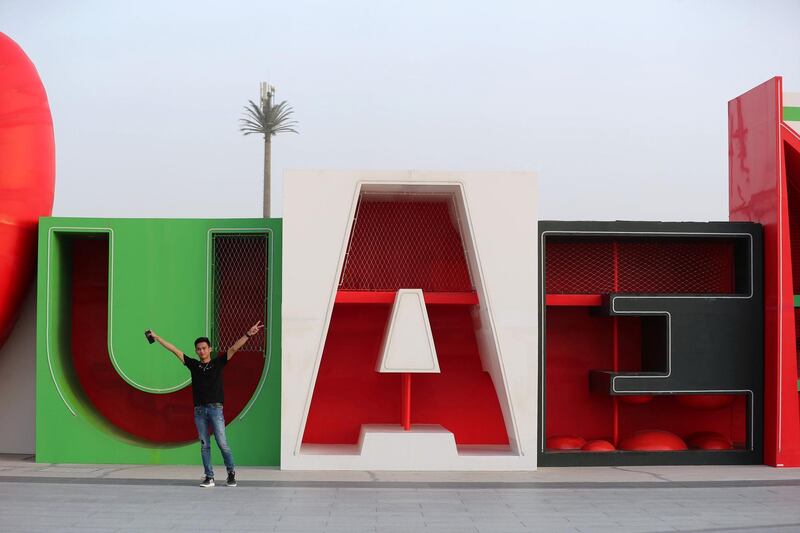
(168, 345)
(238, 344)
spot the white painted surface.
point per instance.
(498, 213)
(423, 447)
(18, 383)
(408, 342)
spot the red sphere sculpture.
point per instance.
(708, 440)
(598, 445)
(27, 175)
(653, 440)
(565, 442)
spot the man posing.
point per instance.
(208, 396)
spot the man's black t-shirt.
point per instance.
(207, 378)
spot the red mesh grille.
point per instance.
(676, 267)
(579, 268)
(240, 288)
(653, 266)
(405, 242)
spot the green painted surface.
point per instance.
(158, 277)
(791, 113)
(797, 300)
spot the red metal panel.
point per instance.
(406, 401)
(27, 175)
(573, 300)
(387, 297)
(349, 392)
(758, 193)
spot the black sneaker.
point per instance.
(231, 479)
(207, 482)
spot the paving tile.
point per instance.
(350, 529)
(32, 506)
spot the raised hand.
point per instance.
(255, 329)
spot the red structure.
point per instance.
(764, 173)
(27, 175)
(403, 242)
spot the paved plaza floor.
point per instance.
(97, 498)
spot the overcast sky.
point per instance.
(619, 107)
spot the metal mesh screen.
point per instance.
(240, 288)
(653, 266)
(410, 241)
(579, 268)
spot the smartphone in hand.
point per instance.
(149, 336)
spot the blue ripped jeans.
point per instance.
(210, 415)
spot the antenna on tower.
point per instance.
(267, 95)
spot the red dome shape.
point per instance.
(638, 399)
(708, 440)
(653, 440)
(565, 442)
(706, 402)
(598, 445)
(27, 175)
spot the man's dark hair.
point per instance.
(202, 339)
